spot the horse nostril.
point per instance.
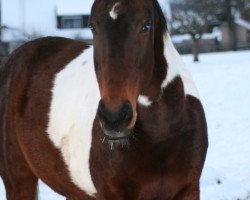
(117, 119)
(127, 112)
(101, 110)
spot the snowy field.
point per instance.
(223, 80)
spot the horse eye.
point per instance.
(146, 27)
(92, 28)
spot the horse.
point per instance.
(117, 120)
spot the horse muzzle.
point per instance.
(116, 122)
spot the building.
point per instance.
(23, 20)
(209, 42)
(242, 34)
(48, 17)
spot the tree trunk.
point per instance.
(196, 49)
(231, 25)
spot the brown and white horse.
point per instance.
(121, 120)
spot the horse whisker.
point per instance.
(111, 145)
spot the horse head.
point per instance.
(129, 60)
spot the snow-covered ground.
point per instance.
(223, 80)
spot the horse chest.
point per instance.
(138, 175)
(75, 98)
(146, 184)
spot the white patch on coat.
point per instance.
(75, 98)
(114, 12)
(144, 101)
(177, 67)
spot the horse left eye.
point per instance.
(146, 27)
(92, 28)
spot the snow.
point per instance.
(243, 23)
(223, 82)
(180, 38)
(216, 33)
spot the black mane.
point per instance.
(161, 16)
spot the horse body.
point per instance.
(25, 132)
(92, 130)
(165, 159)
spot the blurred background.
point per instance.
(196, 25)
(213, 37)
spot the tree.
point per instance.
(244, 7)
(198, 16)
(1, 44)
(227, 10)
(230, 16)
(192, 17)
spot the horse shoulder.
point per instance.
(75, 98)
(54, 78)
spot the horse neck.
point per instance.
(168, 111)
(176, 67)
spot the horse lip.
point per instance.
(117, 135)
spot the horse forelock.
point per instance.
(114, 11)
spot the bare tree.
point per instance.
(1, 44)
(227, 10)
(192, 17)
(244, 7)
(230, 16)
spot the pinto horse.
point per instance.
(119, 120)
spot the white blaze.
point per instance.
(75, 98)
(114, 12)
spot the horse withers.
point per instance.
(119, 120)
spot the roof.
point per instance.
(243, 23)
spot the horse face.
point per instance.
(123, 35)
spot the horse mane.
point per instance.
(162, 22)
(159, 36)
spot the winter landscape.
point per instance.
(224, 86)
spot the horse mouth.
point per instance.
(117, 135)
(117, 138)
